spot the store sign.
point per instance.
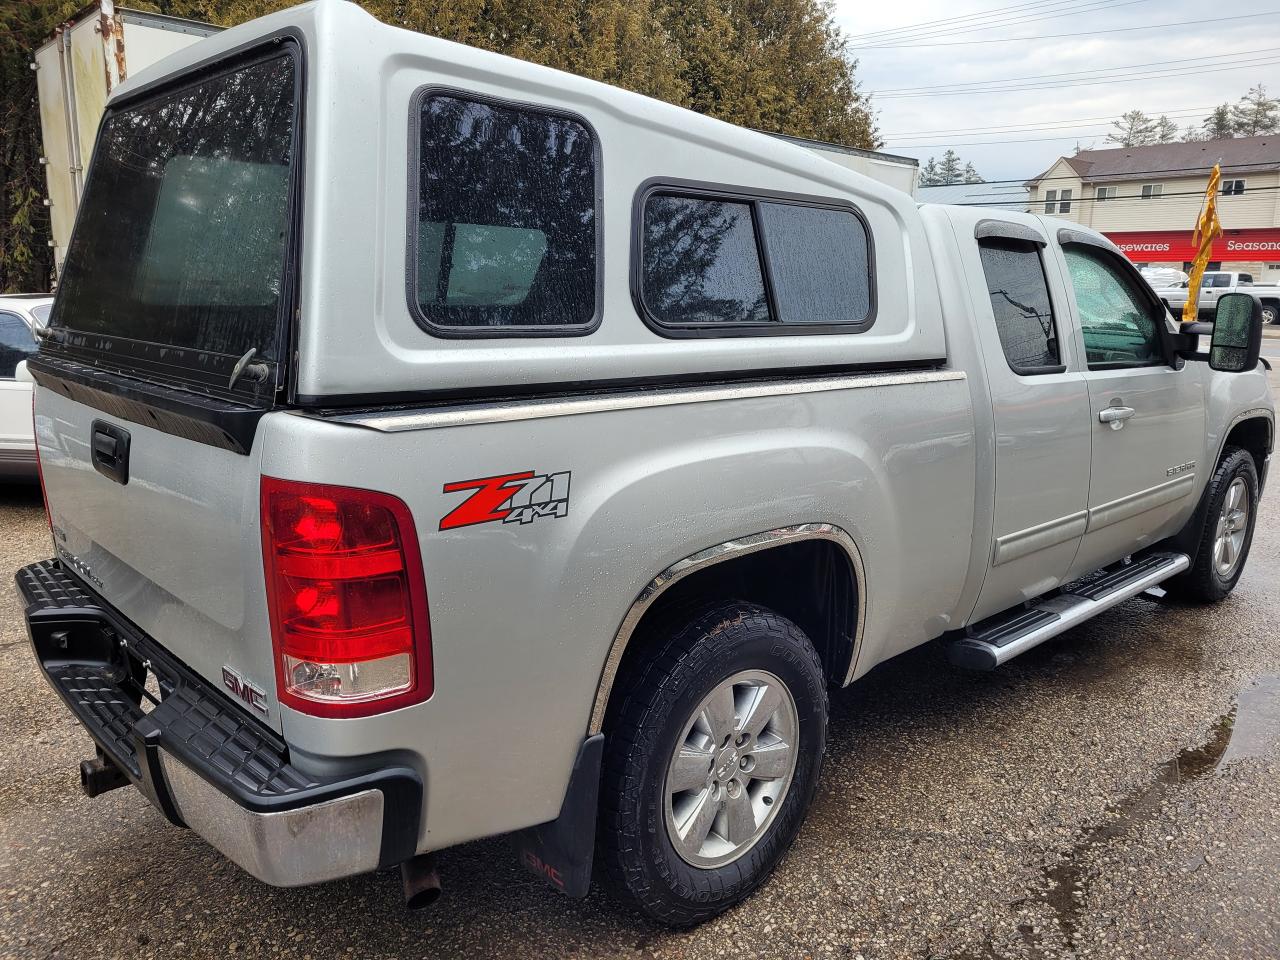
(1169, 246)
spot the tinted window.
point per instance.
(181, 237)
(1020, 302)
(16, 343)
(1119, 324)
(820, 263)
(1220, 280)
(701, 262)
(506, 217)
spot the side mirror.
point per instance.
(1237, 333)
(22, 374)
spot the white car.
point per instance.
(21, 314)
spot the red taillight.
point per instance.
(347, 599)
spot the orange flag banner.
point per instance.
(1208, 229)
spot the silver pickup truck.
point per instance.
(439, 446)
(1214, 285)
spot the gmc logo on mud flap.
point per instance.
(510, 498)
(242, 689)
(534, 863)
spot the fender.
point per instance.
(718, 554)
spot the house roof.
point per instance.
(1009, 195)
(1241, 155)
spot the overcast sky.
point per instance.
(911, 124)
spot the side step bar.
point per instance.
(999, 639)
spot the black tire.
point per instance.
(1270, 313)
(654, 703)
(1203, 583)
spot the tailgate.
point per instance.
(165, 349)
(176, 549)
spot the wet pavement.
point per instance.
(1113, 793)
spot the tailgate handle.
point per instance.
(110, 451)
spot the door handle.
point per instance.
(1116, 416)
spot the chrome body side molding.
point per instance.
(1105, 514)
(730, 550)
(395, 421)
(1014, 546)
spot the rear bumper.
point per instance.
(201, 760)
(18, 461)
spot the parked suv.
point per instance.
(440, 446)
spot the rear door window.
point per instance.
(504, 230)
(1021, 305)
(177, 264)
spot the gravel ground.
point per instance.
(1113, 793)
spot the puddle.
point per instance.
(1249, 729)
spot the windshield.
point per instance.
(181, 237)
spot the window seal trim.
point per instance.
(514, 331)
(754, 197)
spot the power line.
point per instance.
(996, 143)
(909, 28)
(1163, 65)
(1149, 75)
(1143, 173)
(1033, 202)
(1059, 36)
(1089, 6)
(1027, 128)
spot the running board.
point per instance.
(999, 639)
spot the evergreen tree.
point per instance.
(1219, 125)
(971, 174)
(949, 170)
(929, 174)
(1192, 133)
(1255, 113)
(1133, 129)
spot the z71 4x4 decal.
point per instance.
(511, 498)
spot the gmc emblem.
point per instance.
(242, 689)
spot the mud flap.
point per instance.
(560, 851)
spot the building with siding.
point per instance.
(1147, 199)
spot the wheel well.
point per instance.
(812, 583)
(1253, 435)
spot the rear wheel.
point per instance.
(1232, 507)
(1270, 313)
(711, 760)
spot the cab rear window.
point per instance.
(181, 238)
(503, 235)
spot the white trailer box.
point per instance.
(901, 173)
(76, 70)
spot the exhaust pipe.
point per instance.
(420, 881)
